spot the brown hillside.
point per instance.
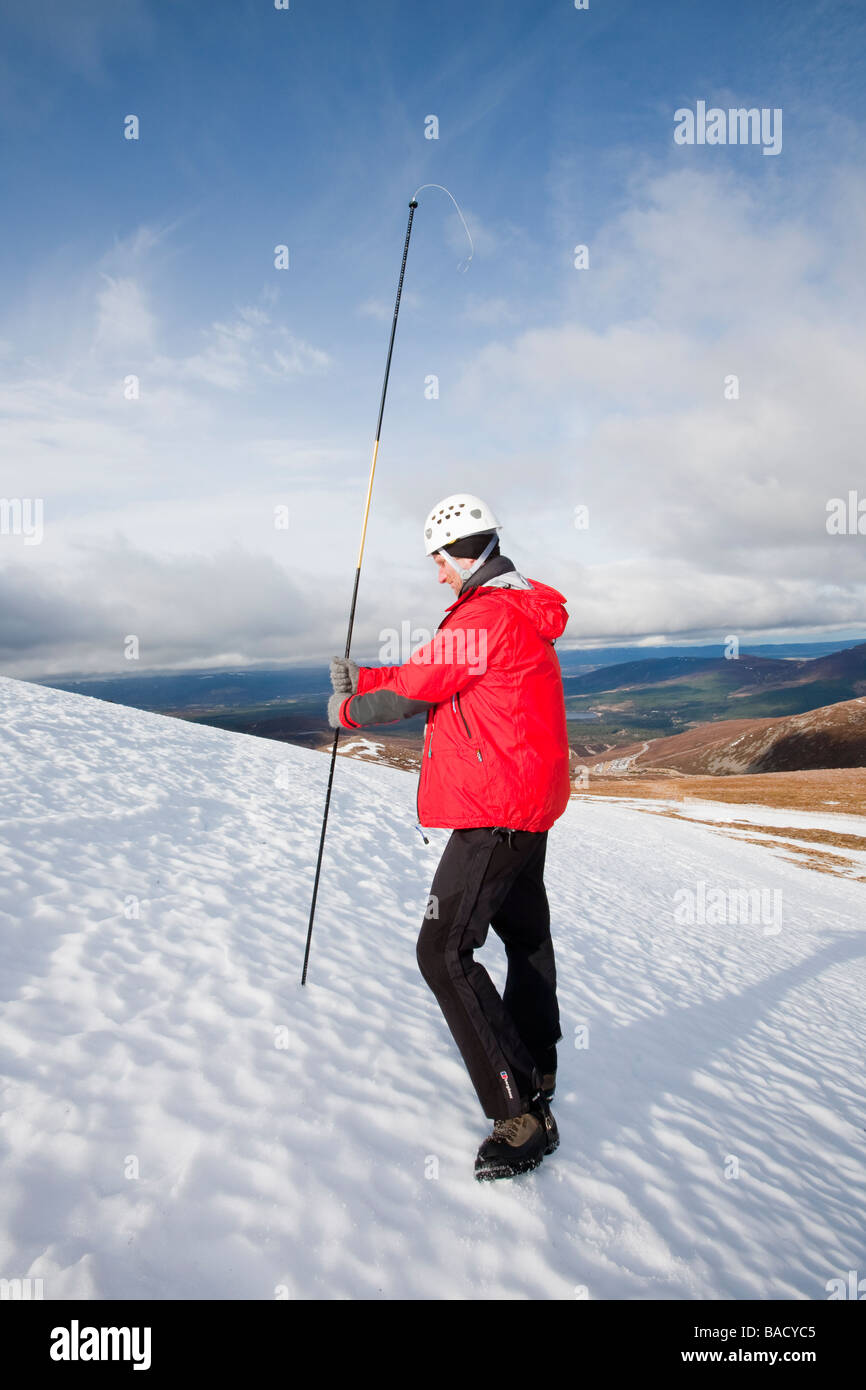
(840, 790)
(832, 736)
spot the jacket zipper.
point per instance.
(430, 744)
(420, 775)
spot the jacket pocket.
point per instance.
(464, 730)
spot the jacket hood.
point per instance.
(541, 604)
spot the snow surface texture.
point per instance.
(340, 1165)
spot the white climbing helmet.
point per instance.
(454, 517)
(461, 514)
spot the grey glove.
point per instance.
(334, 709)
(344, 675)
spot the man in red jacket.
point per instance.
(494, 770)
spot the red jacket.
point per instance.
(495, 742)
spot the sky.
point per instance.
(186, 428)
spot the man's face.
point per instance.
(446, 573)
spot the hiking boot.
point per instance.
(540, 1108)
(514, 1146)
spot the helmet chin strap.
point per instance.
(462, 574)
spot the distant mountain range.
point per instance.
(697, 690)
(271, 690)
(698, 714)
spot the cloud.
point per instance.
(375, 309)
(669, 597)
(81, 39)
(707, 515)
(123, 317)
(297, 357)
(184, 611)
(236, 353)
(378, 309)
(704, 510)
(490, 312)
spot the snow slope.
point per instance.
(158, 1140)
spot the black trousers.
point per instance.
(493, 877)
